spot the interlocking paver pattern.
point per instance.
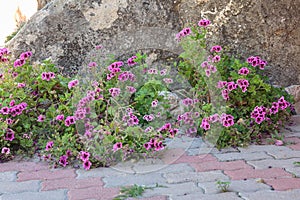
(188, 170)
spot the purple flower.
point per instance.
(117, 146)
(92, 64)
(10, 135)
(244, 71)
(4, 111)
(63, 160)
(154, 103)
(70, 120)
(87, 164)
(5, 150)
(204, 23)
(84, 156)
(41, 118)
(59, 117)
(73, 83)
(216, 49)
(131, 61)
(49, 145)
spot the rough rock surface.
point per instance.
(294, 90)
(68, 30)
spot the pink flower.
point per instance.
(5, 150)
(117, 146)
(21, 85)
(63, 160)
(216, 58)
(12, 103)
(183, 33)
(84, 156)
(244, 71)
(154, 103)
(73, 83)
(278, 142)
(204, 23)
(131, 61)
(49, 145)
(205, 125)
(5, 111)
(41, 118)
(59, 117)
(70, 120)
(114, 92)
(10, 135)
(92, 64)
(87, 164)
(216, 49)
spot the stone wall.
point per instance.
(68, 30)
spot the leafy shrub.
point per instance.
(239, 106)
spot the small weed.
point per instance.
(223, 185)
(297, 164)
(134, 191)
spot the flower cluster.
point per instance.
(188, 118)
(130, 89)
(208, 65)
(259, 114)
(168, 129)
(114, 68)
(4, 52)
(85, 156)
(257, 61)
(114, 91)
(244, 71)
(230, 86)
(183, 33)
(225, 119)
(14, 110)
(130, 118)
(155, 144)
(131, 61)
(204, 23)
(22, 59)
(47, 76)
(124, 76)
(216, 48)
(73, 83)
(168, 80)
(149, 118)
(70, 120)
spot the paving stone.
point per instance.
(220, 196)
(71, 183)
(267, 195)
(284, 183)
(172, 168)
(183, 142)
(170, 156)
(265, 164)
(195, 177)
(295, 146)
(48, 195)
(196, 159)
(130, 179)
(8, 176)
(242, 156)
(261, 148)
(46, 174)
(292, 140)
(17, 187)
(216, 165)
(174, 190)
(98, 172)
(242, 174)
(235, 186)
(23, 166)
(284, 154)
(150, 198)
(93, 193)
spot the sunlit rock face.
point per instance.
(68, 30)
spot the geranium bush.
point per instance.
(239, 106)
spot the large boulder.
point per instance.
(68, 30)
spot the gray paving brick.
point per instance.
(8, 176)
(174, 190)
(181, 167)
(183, 142)
(131, 179)
(235, 186)
(49, 195)
(199, 196)
(98, 172)
(267, 195)
(17, 187)
(195, 177)
(264, 164)
(262, 148)
(242, 156)
(284, 154)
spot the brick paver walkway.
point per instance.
(188, 170)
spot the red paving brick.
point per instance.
(23, 166)
(71, 183)
(46, 175)
(295, 146)
(284, 183)
(98, 193)
(196, 159)
(242, 174)
(293, 140)
(216, 165)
